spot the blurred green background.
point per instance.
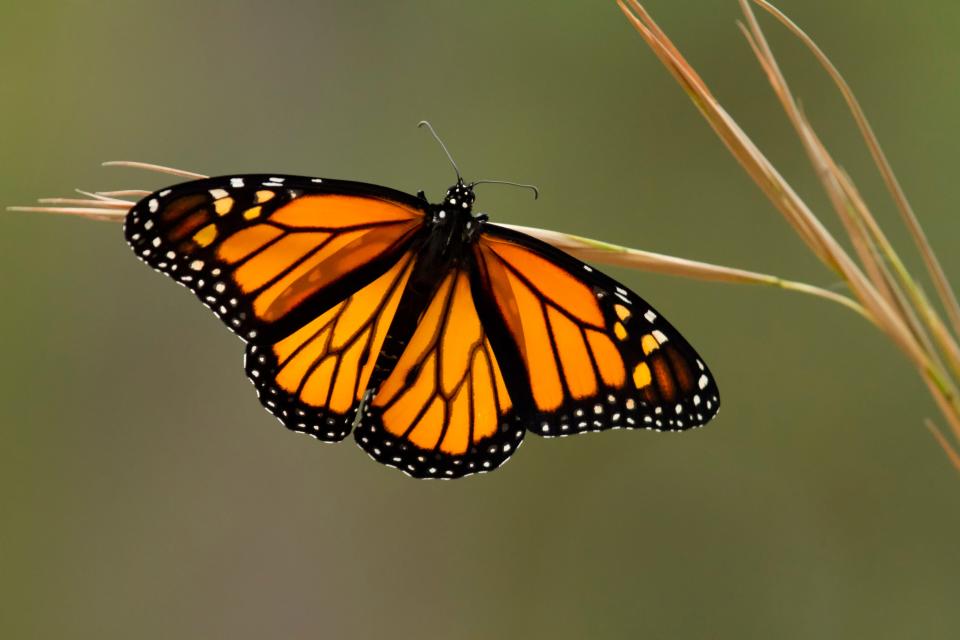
(145, 492)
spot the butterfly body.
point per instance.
(439, 338)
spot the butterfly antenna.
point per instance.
(536, 191)
(429, 126)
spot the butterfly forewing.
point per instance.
(596, 354)
(267, 254)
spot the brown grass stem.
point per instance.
(875, 274)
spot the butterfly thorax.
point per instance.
(452, 223)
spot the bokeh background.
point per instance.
(146, 494)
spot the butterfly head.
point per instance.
(459, 197)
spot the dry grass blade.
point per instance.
(180, 173)
(866, 234)
(890, 297)
(595, 251)
(778, 190)
(134, 193)
(83, 201)
(941, 282)
(909, 297)
(875, 250)
(106, 206)
(941, 439)
(876, 289)
(819, 157)
(740, 145)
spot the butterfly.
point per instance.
(440, 339)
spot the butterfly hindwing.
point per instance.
(443, 408)
(313, 379)
(267, 253)
(597, 355)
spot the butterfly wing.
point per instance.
(443, 409)
(314, 379)
(268, 253)
(308, 271)
(597, 356)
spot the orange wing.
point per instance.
(444, 410)
(267, 253)
(597, 355)
(314, 378)
(308, 271)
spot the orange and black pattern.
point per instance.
(439, 339)
(264, 252)
(444, 409)
(603, 358)
(314, 378)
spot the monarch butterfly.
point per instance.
(438, 337)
